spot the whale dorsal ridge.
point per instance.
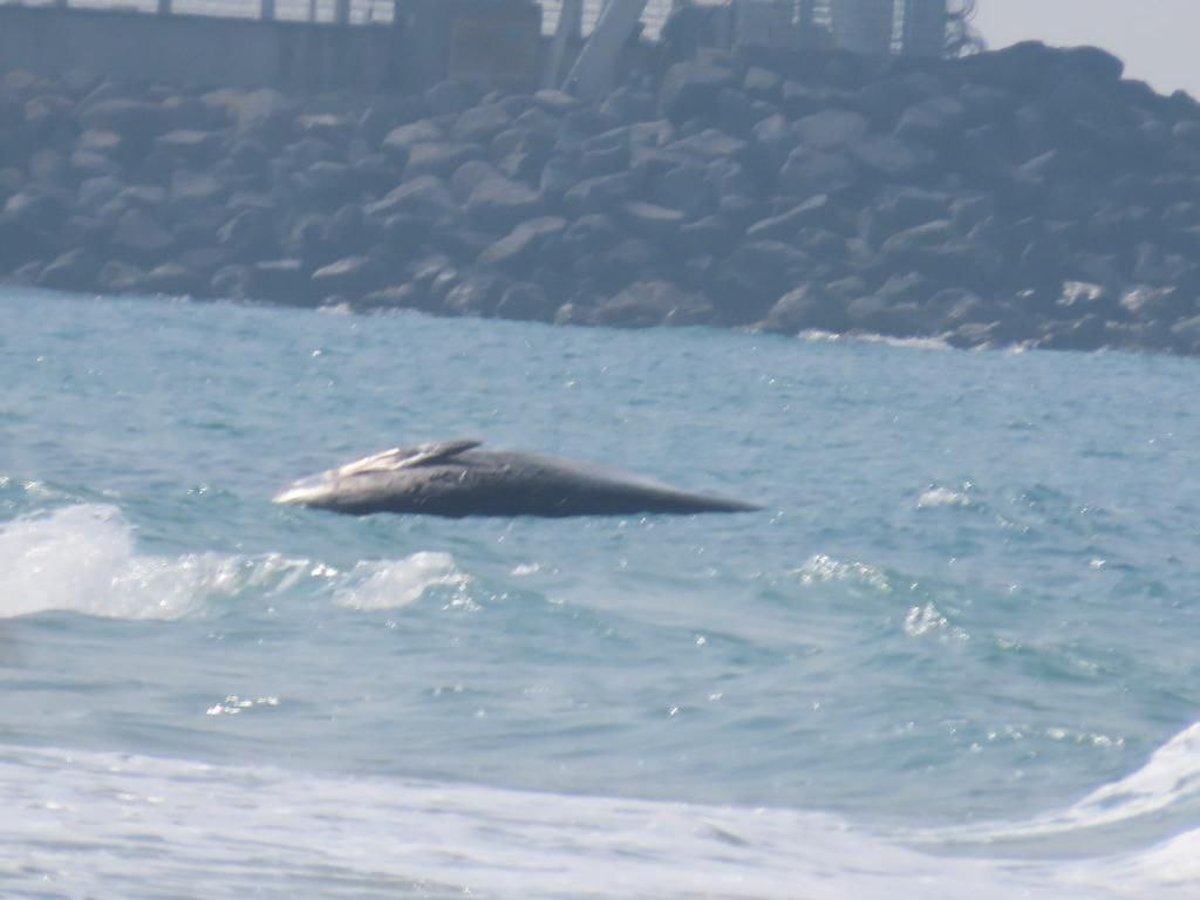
(407, 457)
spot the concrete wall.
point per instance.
(925, 27)
(864, 26)
(200, 50)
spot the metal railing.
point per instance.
(358, 12)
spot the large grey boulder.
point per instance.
(690, 89)
(601, 194)
(830, 129)
(140, 236)
(426, 196)
(653, 302)
(75, 270)
(808, 172)
(807, 307)
(526, 301)
(350, 277)
(439, 158)
(518, 250)
(498, 204)
(648, 220)
(480, 124)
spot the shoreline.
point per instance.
(1026, 197)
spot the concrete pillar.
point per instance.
(566, 36)
(341, 12)
(805, 15)
(266, 10)
(925, 24)
(864, 26)
(595, 71)
(164, 7)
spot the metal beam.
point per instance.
(595, 71)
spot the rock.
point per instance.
(286, 281)
(601, 194)
(400, 140)
(556, 102)
(628, 104)
(350, 277)
(558, 177)
(891, 157)
(196, 192)
(932, 122)
(138, 122)
(647, 303)
(709, 235)
(808, 172)
(808, 307)
(648, 220)
(174, 280)
(468, 176)
(685, 188)
(475, 295)
(1157, 304)
(403, 296)
(330, 128)
(526, 301)
(590, 233)
(729, 177)
(326, 182)
(831, 129)
(737, 113)
(498, 204)
(449, 97)
(751, 278)
(250, 234)
(614, 267)
(689, 89)
(517, 251)
(139, 236)
(189, 146)
(762, 83)
(231, 282)
(116, 277)
(75, 270)
(1186, 335)
(480, 124)
(426, 196)
(815, 211)
(605, 153)
(913, 240)
(439, 158)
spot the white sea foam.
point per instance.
(815, 335)
(395, 583)
(85, 559)
(104, 824)
(937, 496)
(820, 568)
(1170, 777)
(82, 558)
(1164, 790)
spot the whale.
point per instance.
(455, 479)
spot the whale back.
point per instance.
(445, 479)
(407, 457)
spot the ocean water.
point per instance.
(955, 655)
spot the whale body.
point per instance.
(456, 479)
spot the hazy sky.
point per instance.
(1158, 39)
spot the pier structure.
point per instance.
(408, 44)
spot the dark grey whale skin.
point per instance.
(455, 480)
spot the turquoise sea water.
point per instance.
(957, 652)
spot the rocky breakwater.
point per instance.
(1028, 196)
